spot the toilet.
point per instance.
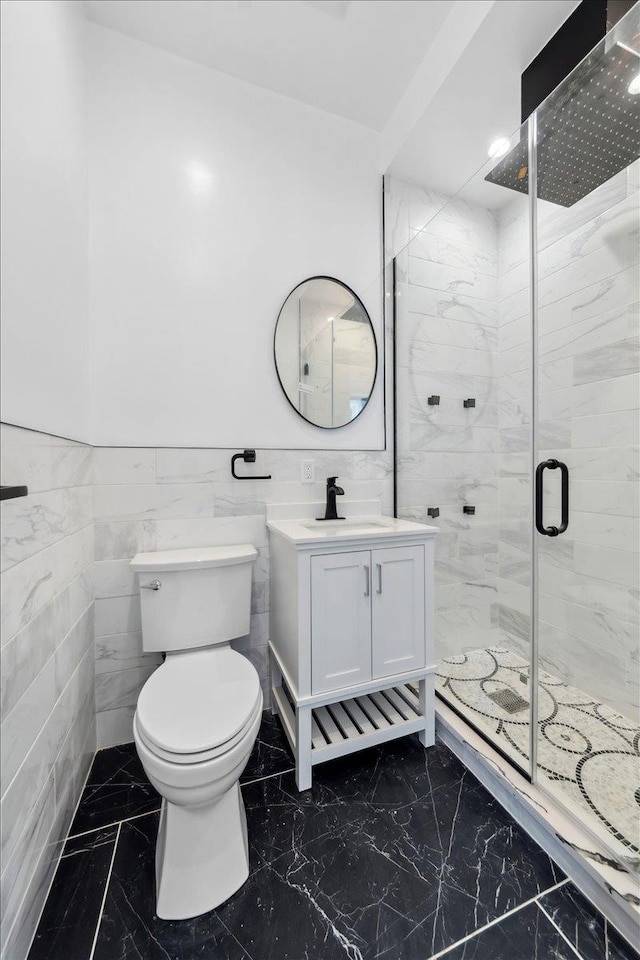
(196, 720)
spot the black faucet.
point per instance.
(333, 491)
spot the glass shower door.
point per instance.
(463, 417)
(587, 263)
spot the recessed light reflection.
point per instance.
(200, 177)
(634, 86)
(498, 148)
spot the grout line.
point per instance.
(492, 923)
(63, 842)
(269, 776)
(104, 895)
(114, 823)
(554, 924)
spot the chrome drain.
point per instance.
(509, 700)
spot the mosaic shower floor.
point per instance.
(588, 754)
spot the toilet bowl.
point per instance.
(196, 722)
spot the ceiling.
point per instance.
(438, 79)
(353, 58)
(480, 99)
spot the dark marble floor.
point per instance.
(396, 854)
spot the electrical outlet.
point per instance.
(308, 471)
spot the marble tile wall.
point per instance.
(47, 727)
(447, 345)
(155, 499)
(463, 329)
(589, 412)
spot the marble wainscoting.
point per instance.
(589, 412)
(447, 345)
(148, 499)
(46, 665)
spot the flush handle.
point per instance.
(154, 585)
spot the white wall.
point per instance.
(44, 222)
(210, 199)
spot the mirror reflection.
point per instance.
(325, 352)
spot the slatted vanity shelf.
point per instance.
(348, 725)
(351, 647)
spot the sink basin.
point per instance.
(319, 526)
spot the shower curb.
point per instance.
(613, 889)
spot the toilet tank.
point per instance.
(194, 598)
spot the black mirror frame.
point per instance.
(375, 347)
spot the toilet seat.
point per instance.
(197, 706)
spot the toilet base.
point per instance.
(202, 855)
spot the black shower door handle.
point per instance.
(564, 477)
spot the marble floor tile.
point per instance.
(271, 753)
(395, 853)
(525, 935)
(72, 911)
(129, 927)
(592, 936)
(116, 788)
(405, 878)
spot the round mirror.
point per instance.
(325, 352)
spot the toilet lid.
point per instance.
(198, 701)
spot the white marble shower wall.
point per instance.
(156, 499)
(446, 345)
(46, 665)
(589, 362)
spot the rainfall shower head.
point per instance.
(588, 130)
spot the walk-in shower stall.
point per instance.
(517, 424)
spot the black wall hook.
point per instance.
(433, 511)
(249, 456)
(469, 403)
(434, 401)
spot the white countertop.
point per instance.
(305, 530)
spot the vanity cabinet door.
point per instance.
(398, 594)
(340, 620)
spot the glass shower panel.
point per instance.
(463, 435)
(588, 269)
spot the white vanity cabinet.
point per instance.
(351, 642)
(367, 615)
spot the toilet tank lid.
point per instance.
(194, 558)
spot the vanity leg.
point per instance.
(303, 748)
(427, 736)
(276, 681)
